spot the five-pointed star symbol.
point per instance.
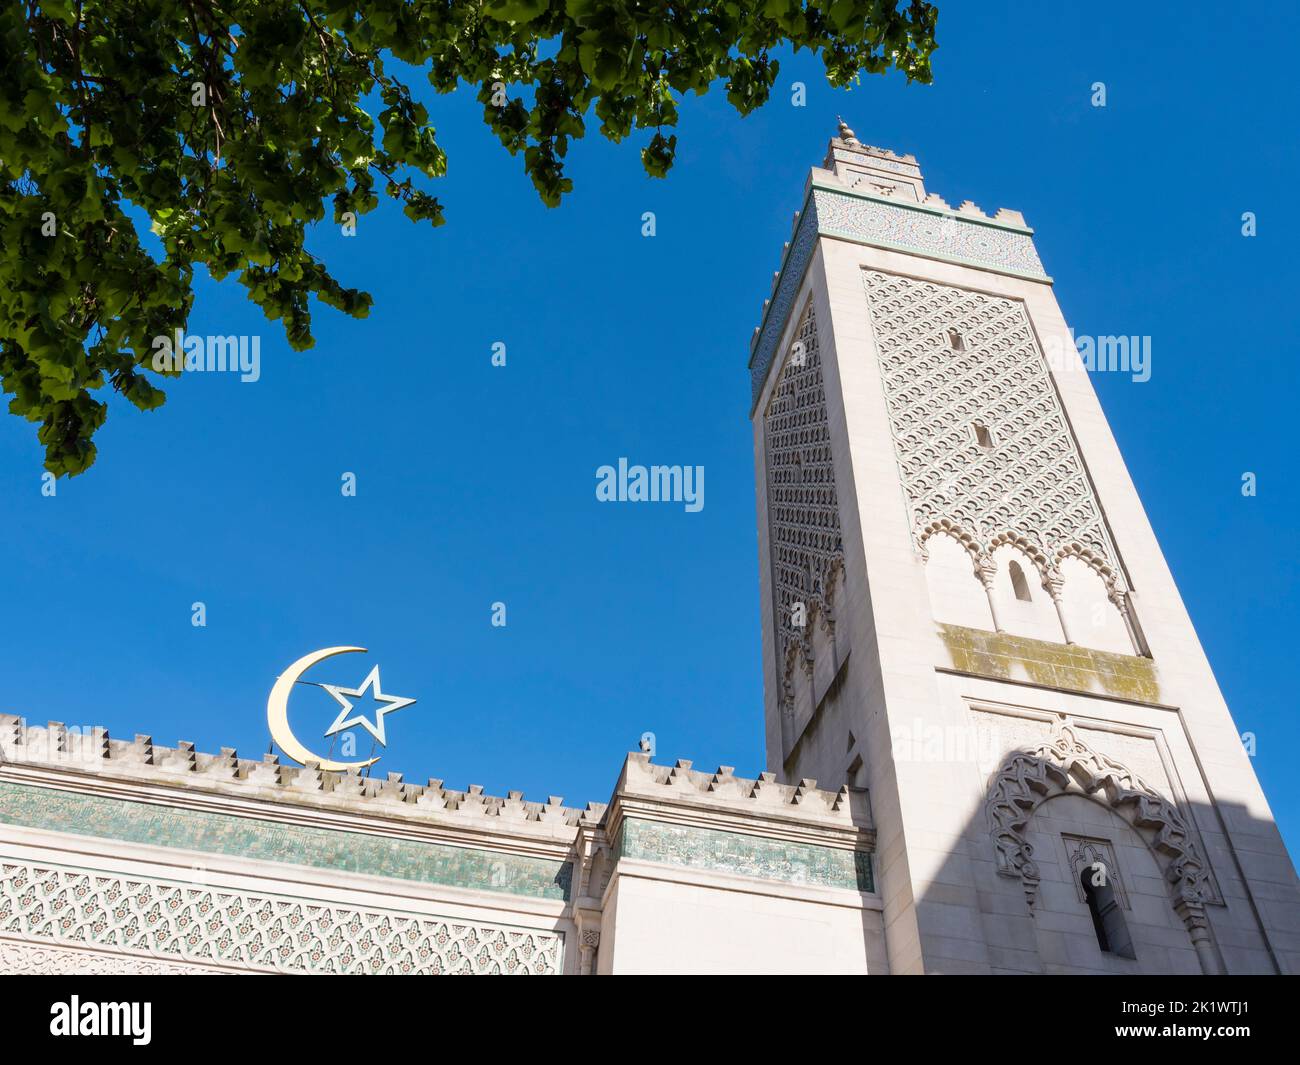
(395, 702)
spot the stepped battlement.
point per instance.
(93, 751)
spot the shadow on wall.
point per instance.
(1075, 865)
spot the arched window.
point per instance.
(1018, 582)
(1107, 917)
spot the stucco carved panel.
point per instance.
(154, 923)
(953, 362)
(35, 959)
(1065, 763)
(803, 510)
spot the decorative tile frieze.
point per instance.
(778, 308)
(273, 841)
(743, 855)
(155, 926)
(931, 232)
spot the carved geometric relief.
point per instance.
(36, 959)
(983, 446)
(1097, 858)
(151, 921)
(1065, 763)
(1139, 753)
(803, 511)
(940, 236)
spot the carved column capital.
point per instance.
(588, 943)
(588, 921)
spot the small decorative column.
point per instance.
(1192, 913)
(1054, 585)
(1120, 598)
(986, 569)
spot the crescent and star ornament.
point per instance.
(395, 702)
(277, 709)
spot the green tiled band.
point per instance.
(735, 852)
(270, 841)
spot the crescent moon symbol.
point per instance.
(277, 711)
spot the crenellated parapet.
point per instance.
(721, 790)
(738, 801)
(93, 752)
(716, 823)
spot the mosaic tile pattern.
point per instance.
(271, 841)
(892, 225)
(735, 852)
(944, 236)
(778, 312)
(150, 925)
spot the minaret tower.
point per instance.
(965, 610)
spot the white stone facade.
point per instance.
(1016, 680)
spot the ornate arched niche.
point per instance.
(1065, 763)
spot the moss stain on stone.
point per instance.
(993, 654)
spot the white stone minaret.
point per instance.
(965, 610)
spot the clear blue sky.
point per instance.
(476, 484)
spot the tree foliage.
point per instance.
(233, 125)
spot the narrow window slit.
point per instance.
(1107, 917)
(1018, 582)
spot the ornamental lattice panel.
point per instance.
(803, 512)
(1026, 481)
(155, 921)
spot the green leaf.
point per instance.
(103, 136)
